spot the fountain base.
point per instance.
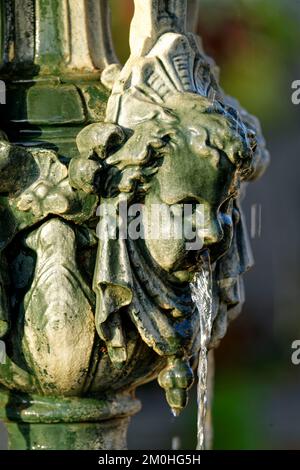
(106, 435)
(66, 423)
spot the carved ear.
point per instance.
(137, 160)
(94, 143)
(149, 135)
(99, 140)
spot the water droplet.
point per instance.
(176, 443)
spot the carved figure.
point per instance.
(86, 314)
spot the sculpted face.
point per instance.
(199, 169)
(186, 158)
(199, 183)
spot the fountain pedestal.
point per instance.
(57, 423)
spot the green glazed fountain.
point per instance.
(89, 311)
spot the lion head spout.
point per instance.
(171, 139)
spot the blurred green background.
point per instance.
(257, 45)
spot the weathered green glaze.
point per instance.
(46, 423)
(87, 319)
(108, 435)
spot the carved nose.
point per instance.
(214, 232)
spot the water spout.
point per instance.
(175, 412)
(202, 296)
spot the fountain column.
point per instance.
(52, 53)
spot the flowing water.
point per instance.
(202, 296)
(176, 443)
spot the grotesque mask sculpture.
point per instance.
(171, 146)
(91, 308)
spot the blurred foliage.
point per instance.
(241, 410)
(237, 410)
(122, 12)
(255, 43)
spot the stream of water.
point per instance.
(202, 296)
